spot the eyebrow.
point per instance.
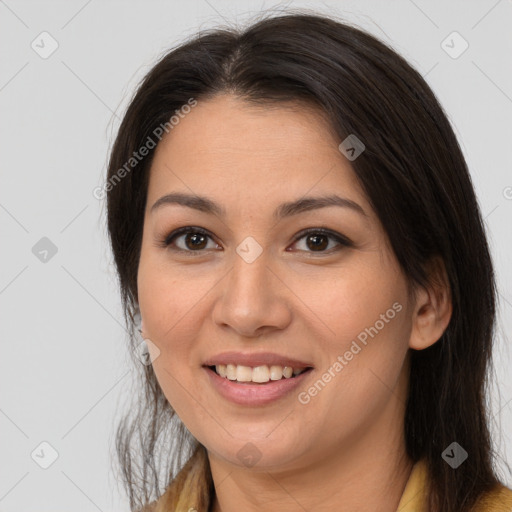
(288, 209)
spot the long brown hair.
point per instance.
(417, 181)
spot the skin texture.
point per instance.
(346, 445)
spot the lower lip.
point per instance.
(254, 394)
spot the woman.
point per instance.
(294, 225)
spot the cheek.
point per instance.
(373, 331)
(353, 299)
(168, 300)
(171, 307)
(358, 382)
(367, 341)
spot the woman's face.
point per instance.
(247, 281)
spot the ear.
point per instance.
(433, 307)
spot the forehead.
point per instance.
(227, 124)
(229, 148)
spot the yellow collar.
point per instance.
(180, 497)
(414, 493)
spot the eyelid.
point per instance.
(341, 239)
(185, 230)
(169, 239)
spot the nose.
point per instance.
(253, 299)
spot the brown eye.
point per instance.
(195, 241)
(318, 241)
(189, 239)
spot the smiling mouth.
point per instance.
(258, 374)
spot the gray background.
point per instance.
(65, 373)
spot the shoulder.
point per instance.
(497, 500)
(414, 498)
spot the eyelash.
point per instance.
(170, 238)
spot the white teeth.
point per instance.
(276, 372)
(259, 374)
(231, 372)
(243, 373)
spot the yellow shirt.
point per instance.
(414, 495)
(412, 500)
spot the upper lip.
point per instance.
(255, 359)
